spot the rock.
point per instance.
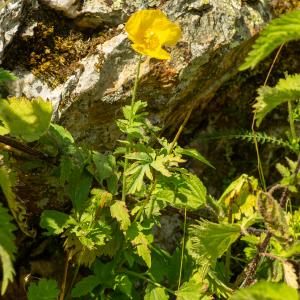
(10, 20)
(216, 37)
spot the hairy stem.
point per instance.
(291, 121)
(130, 122)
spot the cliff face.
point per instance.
(77, 55)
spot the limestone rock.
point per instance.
(10, 20)
(216, 37)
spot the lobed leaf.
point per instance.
(45, 289)
(24, 118)
(119, 211)
(279, 31)
(264, 290)
(270, 97)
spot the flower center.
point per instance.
(151, 40)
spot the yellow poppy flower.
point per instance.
(149, 30)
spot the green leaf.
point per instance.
(18, 210)
(79, 188)
(264, 290)
(55, 222)
(6, 75)
(181, 190)
(119, 211)
(270, 97)
(85, 286)
(26, 119)
(7, 247)
(240, 197)
(211, 240)
(279, 31)
(190, 290)
(103, 166)
(155, 293)
(194, 154)
(61, 135)
(45, 289)
(123, 284)
(139, 240)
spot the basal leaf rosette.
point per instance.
(150, 30)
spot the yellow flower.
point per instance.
(149, 30)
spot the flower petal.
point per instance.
(158, 53)
(168, 33)
(141, 21)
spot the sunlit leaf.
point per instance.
(119, 211)
(190, 290)
(240, 197)
(211, 240)
(155, 293)
(55, 222)
(264, 290)
(279, 31)
(270, 97)
(24, 118)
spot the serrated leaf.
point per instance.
(190, 290)
(103, 165)
(7, 247)
(55, 222)
(85, 286)
(211, 240)
(194, 154)
(119, 211)
(181, 190)
(45, 289)
(264, 290)
(18, 210)
(290, 276)
(155, 293)
(26, 119)
(277, 32)
(270, 97)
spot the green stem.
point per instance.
(291, 121)
(130, 122)
(138, 275)
(182, 250)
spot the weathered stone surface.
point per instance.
(216, 37)
(10, 20)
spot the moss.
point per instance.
(284, 6)
(55, 49)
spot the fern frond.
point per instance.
(248, 136)
(7, 247)
(279, 31)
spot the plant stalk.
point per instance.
(134, 91)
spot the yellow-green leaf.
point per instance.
(24, 118)
(119, 211)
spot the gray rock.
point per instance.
(10, 20)
(216, 37)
